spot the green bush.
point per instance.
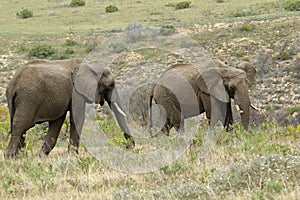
(243, 13)
(182, 5)
(42, 51)
(25, 13)
(292, 5)
(220, 1)
(167, 30)
(77, 3)
(70, 43)
(111, 9)
(67, 54)
(246, 27)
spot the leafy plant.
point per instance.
(77, 3)
(24, 14)
(220, 1)
(42, 51)
(111, 9)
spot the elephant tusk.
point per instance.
(239, 109)
(255, 108)
(120, 110)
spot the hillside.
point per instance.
(263, 163)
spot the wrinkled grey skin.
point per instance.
(184, 91)
(43, 91)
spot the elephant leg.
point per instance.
(206, 100)
(77, 117)
(52, 135)
(167, 127)
(74, 135)
(218, 112)
(178, 121)
(20, 124)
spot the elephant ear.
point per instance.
(211, 82)
(85, 79)
(249, 69)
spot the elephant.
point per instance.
(44, 91)
(184, 90)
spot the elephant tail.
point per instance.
(11, 107)
(150, 113)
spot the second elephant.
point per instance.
(184, 91)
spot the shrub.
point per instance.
(133, 32)
(182, 5)
(67, 54)
(70, 43)
(246, 27)
(167, 30)
(25, 13)
(111, 9)
(77, 3)
(243, 13)
(42, 51)
(292, 5)
(220, 1)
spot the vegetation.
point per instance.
(42, 51)
(111, 9)
(246, 27)
(292, 5)
(25, 13)
(77, 3)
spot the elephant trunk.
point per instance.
(114, 103)
(243, 101)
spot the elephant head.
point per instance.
(225, 83)
(97, 85)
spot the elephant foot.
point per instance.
(73, 149)
(41, 154)
(10, 154)
(130, 144)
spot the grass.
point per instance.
(261, 164)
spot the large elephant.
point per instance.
(184, 91)
(46, 90)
